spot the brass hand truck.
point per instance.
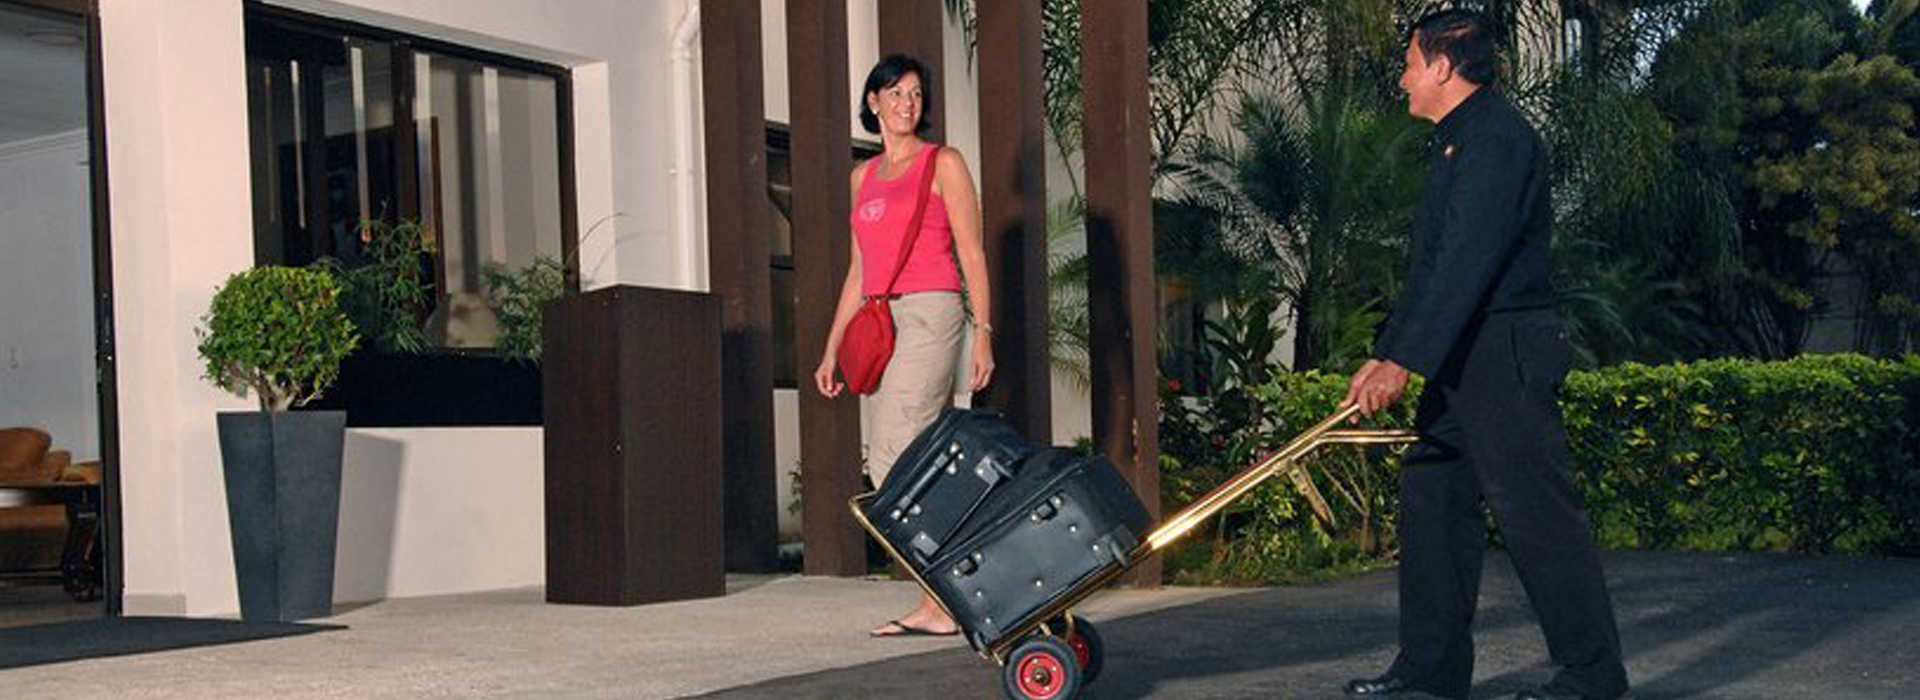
(1052, 655)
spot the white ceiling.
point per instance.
(43, 89)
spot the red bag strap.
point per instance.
(919, 214)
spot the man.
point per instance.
(1476, 320)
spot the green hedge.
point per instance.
(1815, 454)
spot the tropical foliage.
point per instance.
(519, 298)
(1732, 178)
(1727, 171)
(391, 290)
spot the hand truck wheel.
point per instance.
(1088, 648)
(1042, 667)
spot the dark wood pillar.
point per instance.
(1121, 288)
(737, 233)
(917, 28)
(1013, 197)
(822, 158)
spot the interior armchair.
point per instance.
(49, 513)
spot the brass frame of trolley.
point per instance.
(1286, 459)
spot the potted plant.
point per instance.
(519, 299)
(278, 334)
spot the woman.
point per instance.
(928, 316)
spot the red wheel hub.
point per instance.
(1041, 676)
(1081, 652)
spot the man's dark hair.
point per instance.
(888, 73)
(1465, 38)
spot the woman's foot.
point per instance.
(898, 628)
(925, 621)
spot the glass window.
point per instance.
(418, 170)
(351, 124)
(489, 167)
(322, 127)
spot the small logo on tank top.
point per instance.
(873, 210)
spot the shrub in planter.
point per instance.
(519, 298)
(278, 333)
(388, 289)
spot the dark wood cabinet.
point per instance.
(633, 447)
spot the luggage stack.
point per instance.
(1000, 529)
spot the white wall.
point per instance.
(462, 508)
(46, 288)
(431, 511)
(181, 218)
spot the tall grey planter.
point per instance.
(283, 505)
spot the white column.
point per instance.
(181, 218)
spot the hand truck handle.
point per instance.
(1285, 459)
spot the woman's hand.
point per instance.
(823, 378)
(982, 360)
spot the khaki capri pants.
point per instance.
(918, 383)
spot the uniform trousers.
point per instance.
(1490, 431)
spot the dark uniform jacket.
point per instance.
(1481, 235)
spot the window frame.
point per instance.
(406, 146)
(442, 387)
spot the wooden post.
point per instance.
(830, 465)
(1013, 195)
(917, 28)
(1121, 288)
(737, 237)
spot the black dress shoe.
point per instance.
(1383, 687)
(1548, 692)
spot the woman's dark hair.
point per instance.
(888, 73)
(1465, 38)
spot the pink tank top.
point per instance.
(880, 218)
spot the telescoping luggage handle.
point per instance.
(1285, 459)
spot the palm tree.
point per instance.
(1317, 201)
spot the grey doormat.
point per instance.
(32, 645)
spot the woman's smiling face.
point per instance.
(898, 105)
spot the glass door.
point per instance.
(52, 445)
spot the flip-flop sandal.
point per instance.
(907, 630)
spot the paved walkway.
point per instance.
(1743, 627)
(1695, 626)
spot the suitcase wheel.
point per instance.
(1042, 667)
(1088, 649)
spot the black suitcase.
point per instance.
(1062, 520)
(943, 477)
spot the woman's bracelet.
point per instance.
(986, 328)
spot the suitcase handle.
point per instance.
(925, 481)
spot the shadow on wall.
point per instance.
(369, 509)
